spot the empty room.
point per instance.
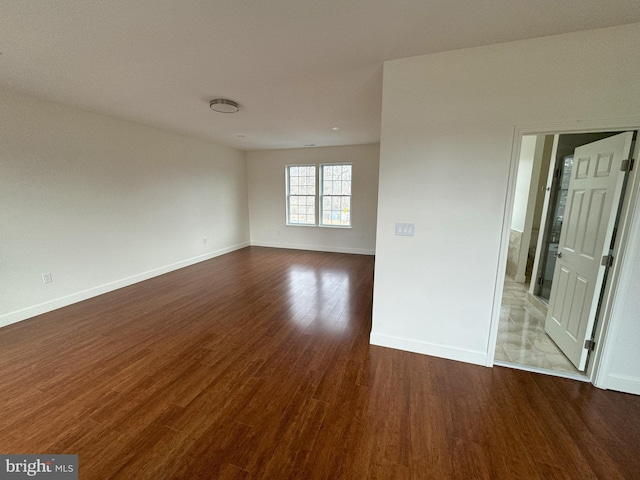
(319, 240)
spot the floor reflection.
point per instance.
(319, 297)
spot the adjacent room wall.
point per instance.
(523, 182)
(520, 202)
(542, 156)
(267, 202)
(448, 124)
(102, 203)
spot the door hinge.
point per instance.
(539, 281)
(627, 165)
(557, 173)
(607, 261)
(589, 345)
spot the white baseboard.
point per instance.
(623, 383)
(435, 350)
(39, 309)
(316, 248)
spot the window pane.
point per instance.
(301, 194)
(336, 210)
(336, 195)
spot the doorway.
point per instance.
(547, 307)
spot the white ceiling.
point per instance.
(297, 67)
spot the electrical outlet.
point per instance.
(46, 278)
(405, 229)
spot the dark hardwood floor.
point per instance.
(257, 364)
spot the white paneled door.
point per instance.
(590, 214)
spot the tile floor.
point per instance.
(521, 335)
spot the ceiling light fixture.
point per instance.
(335, 129)
(224, 105)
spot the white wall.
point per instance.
(623, 373)
(267, 203)
(448, 125)
(523, 182)
(101, 203)
(621, 358)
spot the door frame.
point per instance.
(606, 326)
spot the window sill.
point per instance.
(342, 227)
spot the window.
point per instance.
(301, 195)
(335, 195)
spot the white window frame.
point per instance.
(289, 195)
(318, 195)
(322, 195)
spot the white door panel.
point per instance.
(592, 202)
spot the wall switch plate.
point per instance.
(405, 229)
(46, 278)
